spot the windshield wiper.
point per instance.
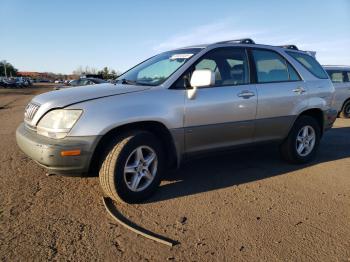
(132, 82)
(127, 82)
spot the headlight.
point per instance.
(58, 123)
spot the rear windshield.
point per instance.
(310, 64)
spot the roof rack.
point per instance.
(293, 47)
(238, 41)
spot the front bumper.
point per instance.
(47, 152)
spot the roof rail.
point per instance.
(335, 65)
(238, 41)
(293, 47)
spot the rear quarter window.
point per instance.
(310, 64)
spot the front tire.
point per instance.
(302, 142)
(345, 113)
(133, 167)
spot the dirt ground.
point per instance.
(247, 205)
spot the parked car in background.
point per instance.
(2, 82)
(43, 80)
(87, 81)
(178, 104)
(340, 76)
(15, 82)
(83, 82)
(22, 82)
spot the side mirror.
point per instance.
(200, 78)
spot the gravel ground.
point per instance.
(247, 205)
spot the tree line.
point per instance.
(7, 69)
(106, 72)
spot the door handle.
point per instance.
(246, 94)
(299, 90)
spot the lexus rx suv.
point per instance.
(177, 104)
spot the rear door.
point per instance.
(221, 115)
(281, 93)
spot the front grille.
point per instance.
(30, 111)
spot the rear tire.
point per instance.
(123, 173)
(345, 112)
(302, 142)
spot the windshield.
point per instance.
(157, 69)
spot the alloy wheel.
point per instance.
(305, 141)
(140, 168)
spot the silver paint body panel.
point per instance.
(216, 118)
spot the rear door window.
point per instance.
(310, 64)
(272, 67)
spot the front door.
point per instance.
(221, 115)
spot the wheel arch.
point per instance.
(154, 127)
(317, 114)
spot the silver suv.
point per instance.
(340, 76)
(180, 103)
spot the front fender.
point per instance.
(102, 115)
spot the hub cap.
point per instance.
(305, 140)
(140, 168)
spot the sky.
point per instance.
(59, 36)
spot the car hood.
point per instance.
(68, 96)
